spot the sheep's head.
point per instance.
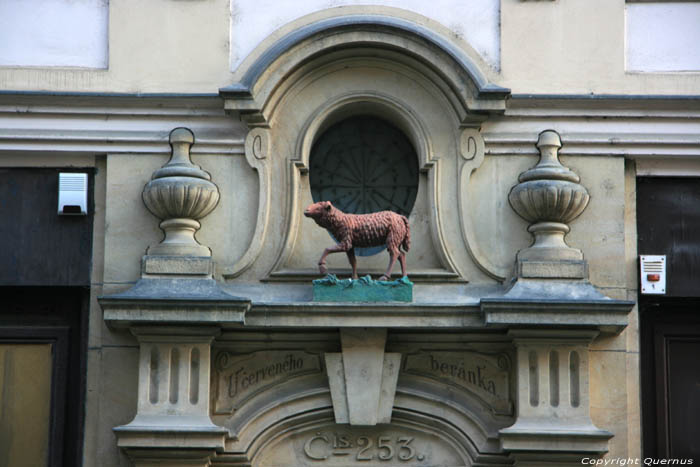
(318, 211)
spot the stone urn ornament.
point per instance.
(180, 193)
(549, 196)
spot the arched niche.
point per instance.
(289, 91)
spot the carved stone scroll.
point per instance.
(471, 147)
(257, 152)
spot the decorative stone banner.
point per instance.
(485, 376)
(335, 445)
(238, 377)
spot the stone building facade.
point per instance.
(177, 326)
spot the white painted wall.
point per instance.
(663, 36)
(48, 33)
(476, 21)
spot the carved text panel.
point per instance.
(486, 376)
(238, 377)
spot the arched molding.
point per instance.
(460, 422)
(273, 96)
(270, 64)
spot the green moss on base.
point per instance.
(364, 289)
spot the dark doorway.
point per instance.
(42, 342)
(45, 262)
(668, 223)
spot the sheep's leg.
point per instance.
(331, 249)
(402, 262)
(393, 254)
(353, 262)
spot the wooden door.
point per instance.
(668, 223)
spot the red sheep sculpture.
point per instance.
(362, 230)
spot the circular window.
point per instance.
(364, 164)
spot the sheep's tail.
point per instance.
(406, 244)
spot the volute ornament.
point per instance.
(180, 194)
(549, 196)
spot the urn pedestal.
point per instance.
(553, 314)
(175, 311)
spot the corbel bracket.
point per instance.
(363, 377)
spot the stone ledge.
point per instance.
(608, 317)
(548, 446)
(556, 303)
(348, 315)
(158, 457)
(591, 441)
(155, 437)
(542, 304)
(181, 300)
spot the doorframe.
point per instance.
(680, 316)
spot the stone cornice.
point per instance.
(628, 126)
(147, 306)
(114, 124)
